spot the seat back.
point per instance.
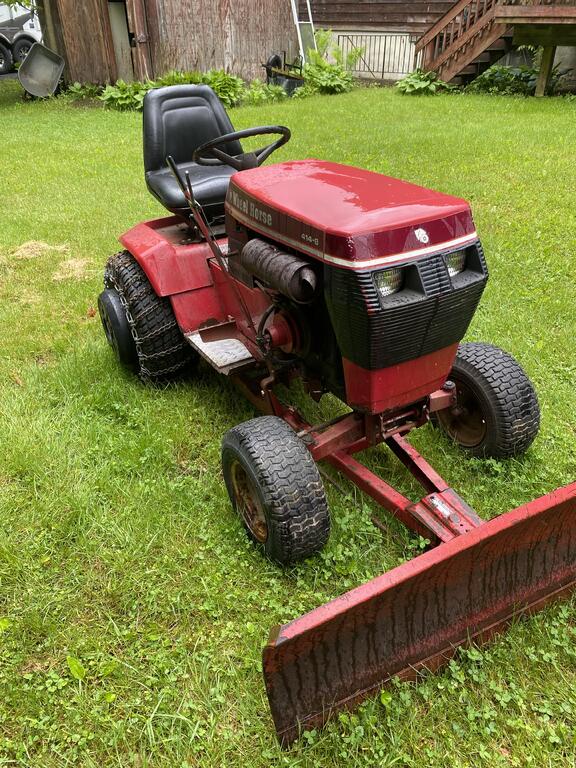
(178, 119)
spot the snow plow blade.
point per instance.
(415, 616)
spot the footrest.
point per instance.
(225, 355)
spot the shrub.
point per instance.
(328, 69)
(174, 77)
(85, 90)
(259, 93)
(304, 92)
(511, 80)
(322, 77)
(228, 88)
(125, 96)
(326, 48)
(421, 83)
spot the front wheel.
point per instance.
(496, 412)
(275, 487)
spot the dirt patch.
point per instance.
(43, 359)
(34, 666)
(28, 297)
(72, 269)
(16, 378)
(33, 249)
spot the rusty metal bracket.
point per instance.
(446, 514)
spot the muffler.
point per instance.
(285, 272)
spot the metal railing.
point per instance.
(385, 55)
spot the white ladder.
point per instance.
(304, 29)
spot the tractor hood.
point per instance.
(345, 215)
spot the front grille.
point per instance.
(430, 313)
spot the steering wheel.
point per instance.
(210, 154)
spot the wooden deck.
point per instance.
(539, 24)
(474, 34)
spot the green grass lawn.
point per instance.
(133, 609)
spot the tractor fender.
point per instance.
(171, 263)
(177, 269)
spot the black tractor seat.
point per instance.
(177, 120)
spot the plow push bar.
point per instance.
(478, 578)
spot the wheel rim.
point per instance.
(465, 422)
(247, 503)
(24, 51)
(109, 331)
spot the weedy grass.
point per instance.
(132, 607)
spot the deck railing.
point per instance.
(462, 26)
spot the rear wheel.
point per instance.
(117, 328)
(140, 325)
(275, 487)
(496, 412)
(5, 59)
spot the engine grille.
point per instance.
(432, 311)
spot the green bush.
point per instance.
(320, 76)
(85, 90)
(129, 96)
(421, 83)
(327, 69)
(304, 92)
(511, 80)
(228, 88)
(174, 77)
(126, 96)
(260, 93)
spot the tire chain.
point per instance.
(145, 374)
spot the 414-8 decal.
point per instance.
(310, 239)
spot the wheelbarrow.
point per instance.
(40, 72)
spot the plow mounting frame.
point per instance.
(477, 577)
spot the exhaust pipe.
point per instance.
(285, 272)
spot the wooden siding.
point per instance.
(392, 15)
(87, 40)
(236, 35)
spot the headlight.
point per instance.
(456, 262)
(388, 282)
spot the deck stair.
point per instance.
(474, 34)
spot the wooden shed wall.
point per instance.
(391, 15)
(237, 35)
(86, 39)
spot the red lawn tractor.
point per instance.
(362, 286)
